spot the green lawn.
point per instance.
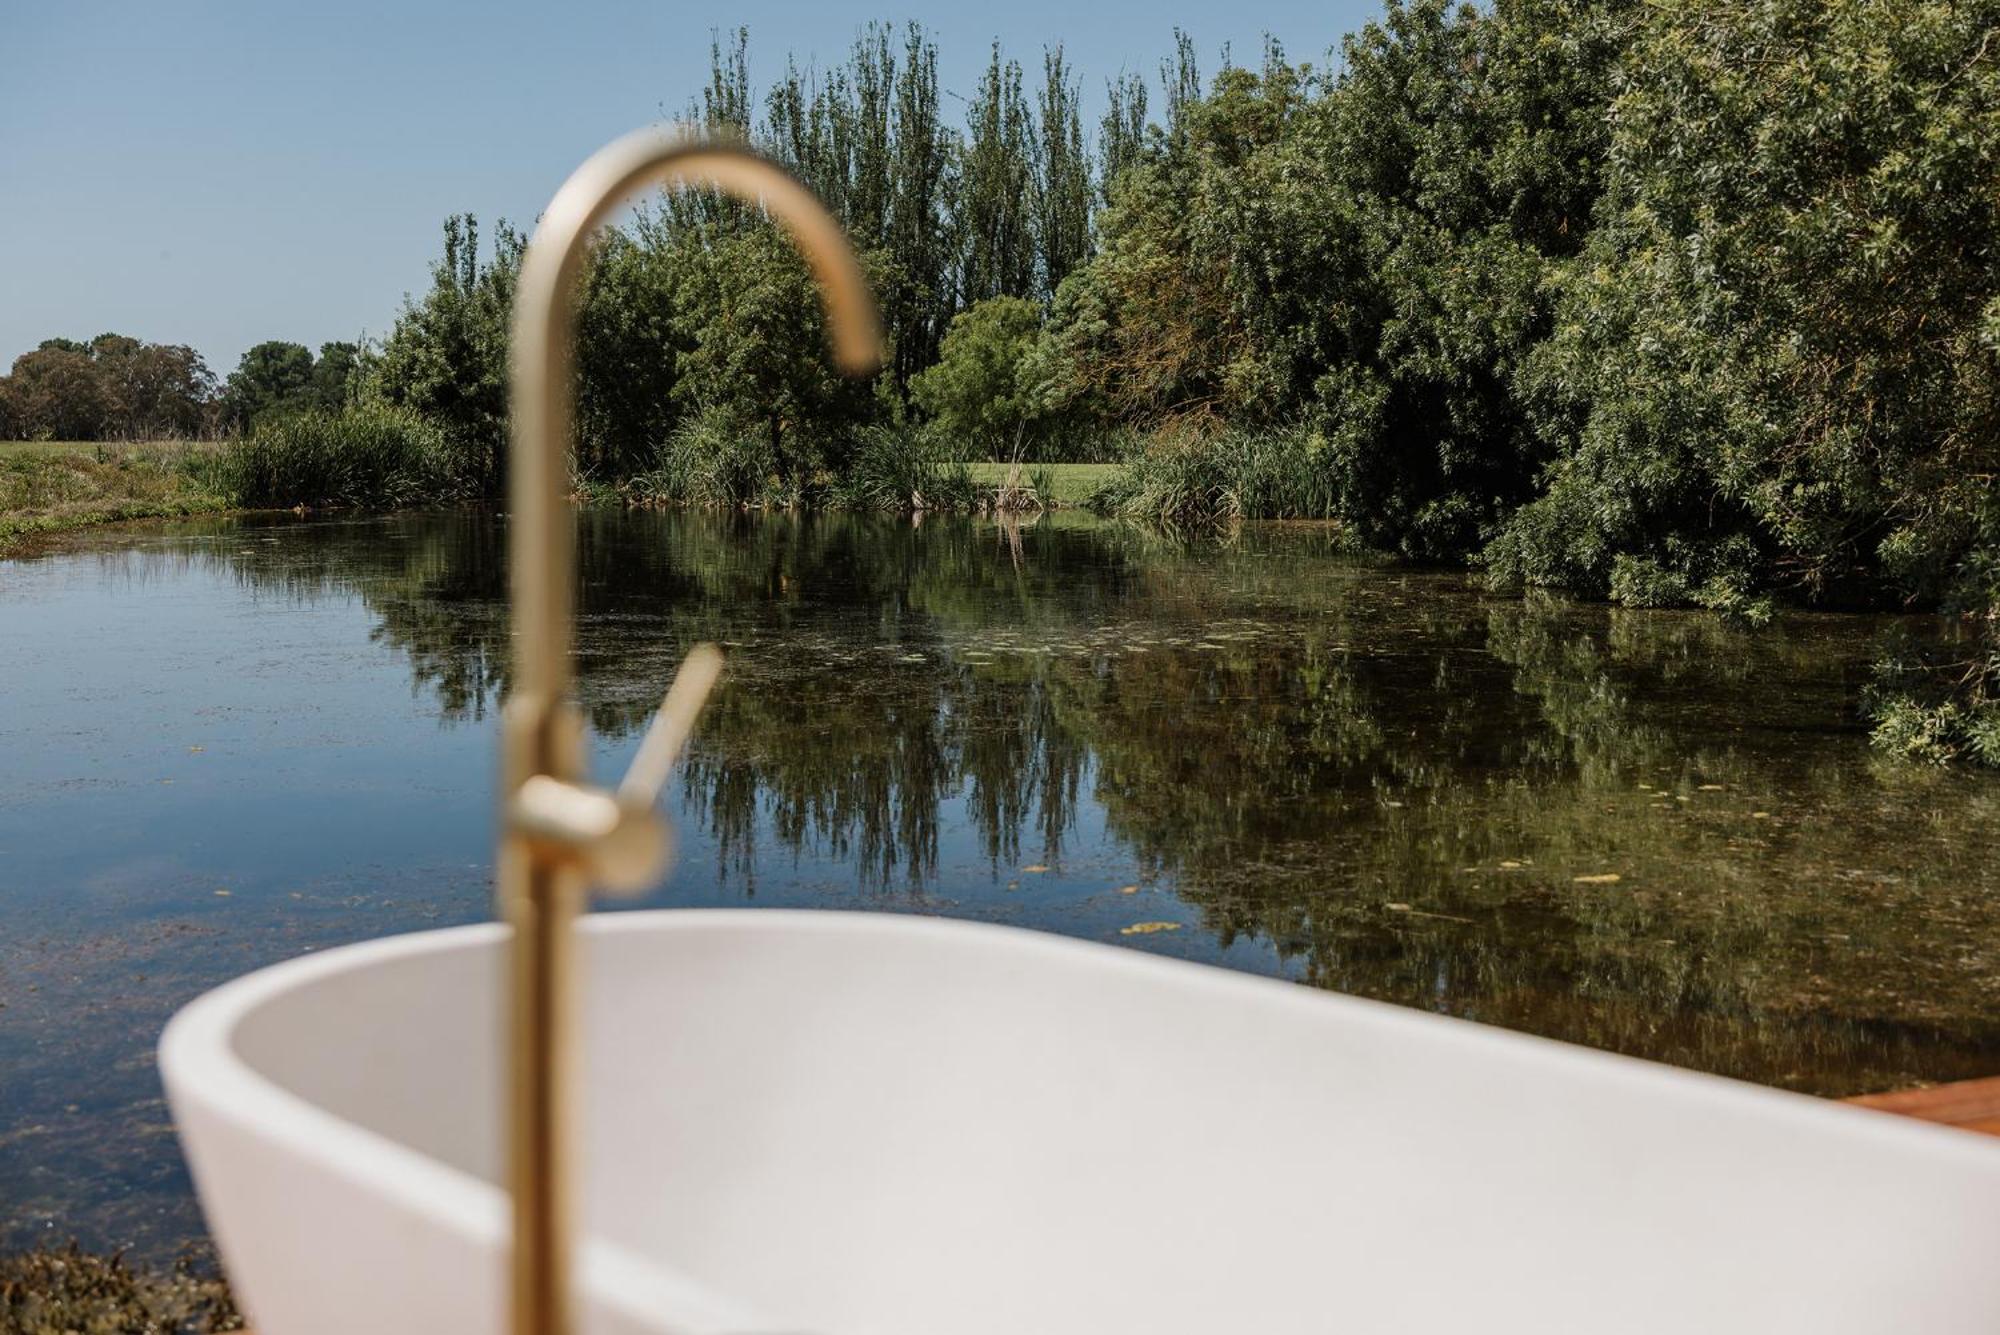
(1072, 483)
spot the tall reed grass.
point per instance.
(1186, 475)
(369, 456)
(711, 459)
(904, 471)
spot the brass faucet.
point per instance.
(559, 835)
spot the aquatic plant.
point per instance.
(712, 459)
(68, 1291)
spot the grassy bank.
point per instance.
(51, 487)
(368, 458)
(10, 449)
(380, 458)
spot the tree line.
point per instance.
(700, 319)
(1690, 302)
(1671, 303)
(116, 387)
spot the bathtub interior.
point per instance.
(407, 1047)
(890, 1126)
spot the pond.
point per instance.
(227, 742)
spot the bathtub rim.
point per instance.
(199, 1064)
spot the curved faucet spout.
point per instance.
(544, 326)
(558, 835)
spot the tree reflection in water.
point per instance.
(1399, 783)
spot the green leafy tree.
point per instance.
(446, 357)
(868, 138)
(628, 353)
(995, 221)
(337, 375)
(1062, 187)
(272, 377)
(749, 322)
(978, 392)
(1121, 134)
(152, 390)
(1776, 366)
(113, 387)
(57, 393)
(1155, 326)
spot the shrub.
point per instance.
(713, 459)
(372, 456)
(1941, 703)
(904, 470)
(976, 392)
(1188, 476)
(1773, 363)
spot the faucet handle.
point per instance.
(620, 839)
(671, 727)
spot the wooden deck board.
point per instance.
(1970, 1105)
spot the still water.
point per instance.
(226, 743)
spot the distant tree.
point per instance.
(119, 376)
(868, 138)
(995, 206)
(1062, 194)
(1180, 76)
(57, 393)
(152, 390)
(916, 284)
(272, 377)
(1160, 322)
(171, 392)
(112, 347)
(112, 388)
(336, 375)
(977, 392)
(1122, 133)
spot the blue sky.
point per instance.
(223, 173)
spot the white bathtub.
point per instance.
(902, 1126)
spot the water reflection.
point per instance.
(1647, 832)
(1409, 790)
